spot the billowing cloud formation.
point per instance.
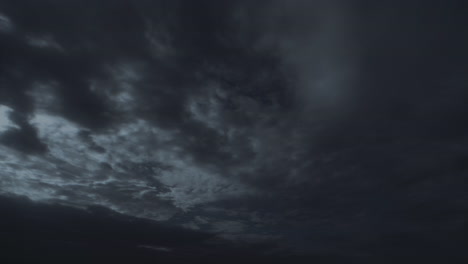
(338, 127)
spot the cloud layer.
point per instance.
(334, 127)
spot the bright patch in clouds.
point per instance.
(6, 26)
(5, 122)
(134, 168)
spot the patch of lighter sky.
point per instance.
(5, 122)
(44, 42)
(6, 25)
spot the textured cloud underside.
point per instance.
(341, 126)
(131, 169)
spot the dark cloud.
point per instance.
(333, 127)
(56, 233)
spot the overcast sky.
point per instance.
(309, 127)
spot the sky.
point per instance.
(269, 127)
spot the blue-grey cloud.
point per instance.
(333, 127)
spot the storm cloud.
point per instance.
(330, 127)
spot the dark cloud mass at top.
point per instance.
(325, 128)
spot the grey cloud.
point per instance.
(22, 135)
(315, 121)
(5, 121)
(6, 25)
